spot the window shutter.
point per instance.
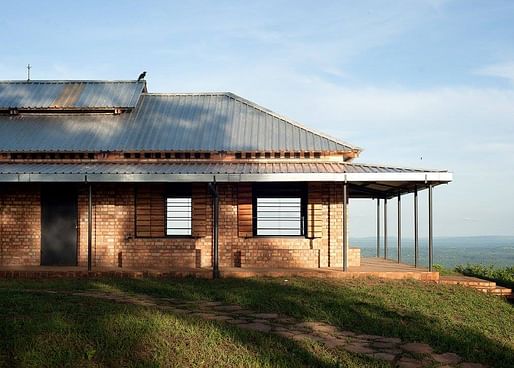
(244, 210)
(314, 211)
(200, 203)
(150, 211)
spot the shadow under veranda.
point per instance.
(63, 330)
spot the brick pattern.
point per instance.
(115, 242)
(314, 210)
(354, 257)
(279, 258)
(20, 225)
(114, 237)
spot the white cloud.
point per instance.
(500, 70)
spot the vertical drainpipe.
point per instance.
(378, 227)
(430, 230)
(399, 228)
(89, 226)
(345, 226)
(385, 228)
(416, 233)
(215, 228)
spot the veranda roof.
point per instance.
(365, 180)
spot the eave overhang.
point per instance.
(365, 180)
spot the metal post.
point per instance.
(416, 237)
(1, 228)
(430, 230)
(399, 228)
(378, 227)
(215, 229)
(385, 228)
(345, 227)
(89, 227)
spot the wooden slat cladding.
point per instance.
(314, 211)
(150, 211)
(199, 214)
(244, 210)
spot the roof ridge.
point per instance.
(291, 121)
(186, 93)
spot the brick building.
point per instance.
(106, 174)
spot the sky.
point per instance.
(426, 83)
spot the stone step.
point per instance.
(484, 286)
(497, 290)
(466, 281)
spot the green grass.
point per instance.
(503, 276)
(45, 330)
(443, 271)
(450, 318)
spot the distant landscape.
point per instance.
(448, 251)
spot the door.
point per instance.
(58, 225)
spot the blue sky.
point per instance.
(415, 83)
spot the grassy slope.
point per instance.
(40, 330)
(450, 318)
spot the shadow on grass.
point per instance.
(478, 327)
(58, 330)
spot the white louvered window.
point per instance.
(178, 216)
(279, 216)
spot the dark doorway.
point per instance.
(58, 225)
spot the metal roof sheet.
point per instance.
(366, 181)
(211, 168)
(69, 94)
(174, 122)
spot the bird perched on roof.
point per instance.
(141, 76)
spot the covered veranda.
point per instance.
(380, 183)
(369, 267)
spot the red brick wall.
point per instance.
(20, 225)
(114, 233)
(281, 251)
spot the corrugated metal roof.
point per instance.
(211, 168)
(70, 94)
(162, 122)
(366, 181)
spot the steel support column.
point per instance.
(385, 228)
(430, 230)
(345, 227)
(215, 229)
(89, 227)
(416, 234)
(399, 228)
(378, 227)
